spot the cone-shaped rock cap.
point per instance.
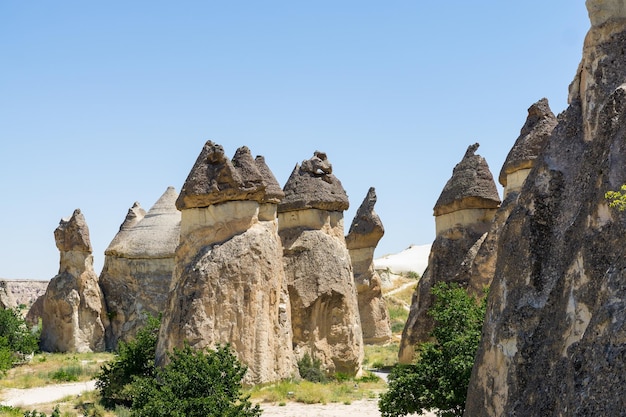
(313, 185)
(154, 236)
(601, 11)
(135, 214)
(471, 186)
(533, 136)
(366, 228)
(215, 179)
(73, 234)
(273, 192)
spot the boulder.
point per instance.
(365, 232)
(138, 267)
(74, 315)
(463, 215)
(229, 283)
(554, 336)
(324, 306)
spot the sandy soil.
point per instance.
(52, 393)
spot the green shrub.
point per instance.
(439, 377)
(67, 373)
(16, 340)
(311, 369)
(135, 359)
(194, 384)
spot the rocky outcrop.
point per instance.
(365, 232)
(26, 291)
(554, 335)
(534, 134)
(138, 266)
(74, 315)
(7, 299)
(463, 215)
(324, 306)
(229, 283)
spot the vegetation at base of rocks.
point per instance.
(331, 392)
(439, 377)
(311, 369)
(41, 369)
(413, 275)
(195, 383)
(617, 199)
(381, 356)
(134, 359)
(17, 341)
(35, 413)
(398, 314)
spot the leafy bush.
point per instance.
(35, 413)
(135, 358)
(617, 199)
(440, 375)
(311, 369)
(194, 384)
(16, 340)
(67, 373)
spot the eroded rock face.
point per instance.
(74, 315)
(365, 232)
(324, 306)
(467, 205)
(138, 267)
(534, 134)
(229, 283)
(555, 332)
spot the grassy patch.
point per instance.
(52, 368)
(306, 392)
(381, 357)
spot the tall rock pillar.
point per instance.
(138, 266)
(324, 306)
(463, 215)
(229, 283)
(74, 315)
(554, 338)
(365, 232)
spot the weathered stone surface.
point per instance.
(7, 300)
(324, 306)
(74, 315)
(214, 179)
(470, 187)
(138, 267)
(35, 312)
(26, 291)
(365, 232)
(555, 332)
(533, 136)
(229, 283)
(312, 185)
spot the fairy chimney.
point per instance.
(74, 314)
(365, 232)
(229, 283)
(533, 136)
(138, 266)
(324, 306)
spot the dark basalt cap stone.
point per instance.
(273, 192)
(366, 228)
(471, 186)
(313, 185)
(533, 136)
(73, 234)
(215, 179)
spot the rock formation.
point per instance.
(7, 299)
(324, 306)
(534, 134)
(554, 335)
(138, 266)
(463, 215)
(229, 283)
(74, 315)
(365, 232)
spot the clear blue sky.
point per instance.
(106, 103)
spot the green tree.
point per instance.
(16, 339)
(617, 199)
(196, 383)
(135, 358)
(439, 377)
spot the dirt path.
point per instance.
(43, 395)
